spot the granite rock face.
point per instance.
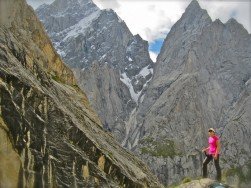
(201, 80)
(50, 137)
(85, 35)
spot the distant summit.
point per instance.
(111, 64)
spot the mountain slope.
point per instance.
(85, 35)
(201, 80)
(50, 136)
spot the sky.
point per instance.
(153, 19)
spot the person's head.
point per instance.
(211, 132)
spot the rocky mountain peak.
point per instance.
(233, 25)
(194, 13)
(62, 14)
(71, 3)
(194, 6)
(183, 33)
(101, 36)
(200, 81)
(110, 15)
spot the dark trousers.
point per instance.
(217, 166)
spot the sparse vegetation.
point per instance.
(186, 180)
(164, 148)
(56, 78)
(76, 86)
(239, 172)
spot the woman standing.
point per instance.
(212, 153)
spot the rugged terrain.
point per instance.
(50, 137)
(201, 79)
(110, 64)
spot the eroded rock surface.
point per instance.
(50, 137)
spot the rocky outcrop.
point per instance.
(202, 183)
(50, 137)
(29, 22)
(85, 35)
(201, 80)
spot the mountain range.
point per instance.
(161, 111)
(50, 136)
(110, 64)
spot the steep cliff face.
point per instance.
(201, 80)
(104, 87)
(49, 135)
(83, 34)
(16, 18)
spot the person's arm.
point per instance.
(217, 149)
(205, 149)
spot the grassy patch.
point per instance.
(186, 180)
(56, 78)
(164, 148)
(76, 86)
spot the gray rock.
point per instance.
(83, 34)
(203, 183)
(50, 136)
(201, 80)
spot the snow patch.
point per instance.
(93, 47)
(128, 82)
(59, 51)
(146, 71)
(130, 47)
(81, 26)
(130, 59)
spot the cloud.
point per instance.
(153, 56)
(104, 4)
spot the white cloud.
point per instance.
(153, 56)
(150, 18)
(103, 4)
(224, 10)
